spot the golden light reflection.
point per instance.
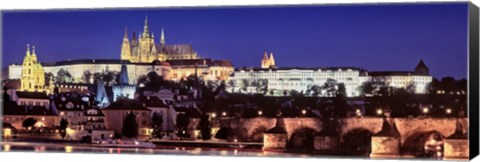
(7, 132)
(68, 149)
(224, 152)
(110, 151)
(6, 148)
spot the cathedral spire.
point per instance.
(146, 32)
(265, 55)
(28, 49)
(162, 38)
(271, 60)
(125, 35)
(33, 51)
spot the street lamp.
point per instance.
(260, 112)
(448, 111)
(425, 110)
(304, 112)
(214, 115)
(379, 111)
(358, 112)
(224, 113)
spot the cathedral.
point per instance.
(33, 76)
(268, 62)
(143, 49)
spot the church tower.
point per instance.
(123, 88)
(146, 44)
(162, 38)
(265, 61)
(422, 69)
(126, 52)
(271, 60)
(33, 75)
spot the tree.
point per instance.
(87, 76)
(315, 90)
(63, 127)
(48, 77)
(330, 87)
(411, 88)
(130, 127)
(366, 88)
(205, 127)
(262, 86)
(108, 77)
(97, 78)
(433, 86)
(157, 121)
(340, 101)
(63, 76)
(29, 122)
(182, 125)
(245, 84)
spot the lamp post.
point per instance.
(214, 115)
(379, 111)
(448, 111)
(425, 110)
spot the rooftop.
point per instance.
(32, 95)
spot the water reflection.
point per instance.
(39, 148)
(6, 148)
(68, 149)
(159, 150)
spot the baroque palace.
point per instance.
(140, 56)
(280, 81)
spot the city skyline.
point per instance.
(241, 35)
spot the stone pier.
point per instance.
(276, 138)
(386, 143)
(456, 146)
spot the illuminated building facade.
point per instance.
(281, 81)
(32, 73)
(144, 49)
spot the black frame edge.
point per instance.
(473, 79)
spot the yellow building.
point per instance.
(144, 50)
(33, 75)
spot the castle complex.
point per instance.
(144, 49)
(139, 55)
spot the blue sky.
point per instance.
(375, 37)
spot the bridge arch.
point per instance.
(302, 139)
(256, 134)
(357, 141)
(416, 143)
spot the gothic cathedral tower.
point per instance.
(146, 44)
(126, 52)
(268, 62)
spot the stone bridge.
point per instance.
(354, 131)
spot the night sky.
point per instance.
(374, 37)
